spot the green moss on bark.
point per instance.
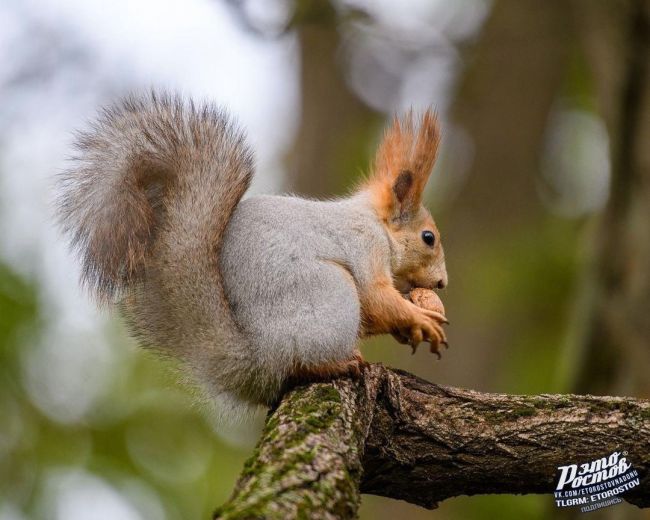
(307, 455)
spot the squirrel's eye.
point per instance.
(428, 237)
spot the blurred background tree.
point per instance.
(541, 192)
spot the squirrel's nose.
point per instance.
(441, 283)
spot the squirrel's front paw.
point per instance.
(426, 326)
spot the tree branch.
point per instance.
(390, 433)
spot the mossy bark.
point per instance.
(308, 462)
(392, 434)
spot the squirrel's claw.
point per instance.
(436, 337)
(401, 338)
(428, 328)
(439, 317)
(354, 367)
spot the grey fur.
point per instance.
(286, 265)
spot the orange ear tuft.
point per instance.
(403, 163)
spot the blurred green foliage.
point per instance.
(146, 438)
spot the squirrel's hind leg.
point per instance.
(328, 334)
(303, 374)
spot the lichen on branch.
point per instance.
(390, 433)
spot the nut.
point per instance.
(427, 299)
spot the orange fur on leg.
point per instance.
(308, 374)
(383, 309)
(386, 311)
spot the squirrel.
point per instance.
(249, 294)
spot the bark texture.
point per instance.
(390, 433)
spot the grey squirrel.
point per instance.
(252, 293)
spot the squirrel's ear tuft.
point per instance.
(403, 185)
(402, 165)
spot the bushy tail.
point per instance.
(146, 204)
